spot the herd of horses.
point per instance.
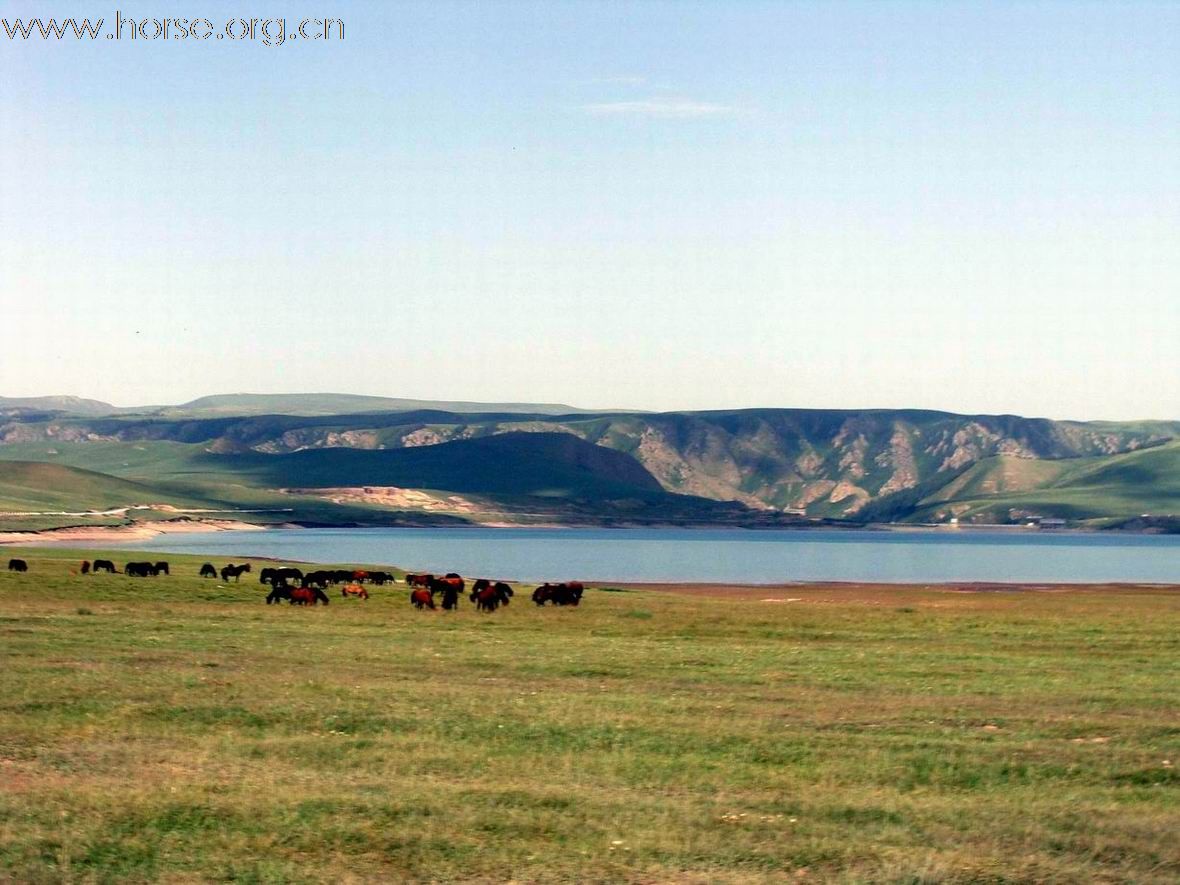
(297, 587)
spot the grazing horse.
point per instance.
(319, 579)
(17, 565)
(419, 580)
(140, 570)
(354, 590)
(278, 593)
(208, 570)
(559, 594)
(380, 578)
(234, 571)
(104, 565)
(503, 591)
(489, 596)
(421, 599)
(575, 590)
(162, 568)
(449, 588)
(486, 600)
(270, 575)
(85, 566)
(308, 596)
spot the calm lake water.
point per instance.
(713, 555)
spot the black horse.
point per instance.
(234, 571)
(140, 570)
(559, 594)
(319, 579)
(17, 565)
(104, 565)
(270, 575)
(279, 591)
(162, 568)
(208, 570)
(503, 591)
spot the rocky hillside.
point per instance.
(829, 463)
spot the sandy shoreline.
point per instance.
(139, 531)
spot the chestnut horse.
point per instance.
(356, 590)
(421, 599)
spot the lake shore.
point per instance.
(137, 531)
(146, 530)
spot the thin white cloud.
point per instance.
(662, 108)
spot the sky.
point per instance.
(963, 206)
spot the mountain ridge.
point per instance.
(840, 464)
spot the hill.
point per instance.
(864, 465)
(38, 487)
(71, 405)
(310, 404)
(241, 404)
(519, 478)
(1004, 489)
(544, 464)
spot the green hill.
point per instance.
(541, 464)
(1112, 488)
(37, 487)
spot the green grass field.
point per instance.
(181, 730)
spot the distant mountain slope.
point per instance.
(544, 464)
(518, 477)
(842, 464)
(311, 404)
(302, 404)
(72, 405)
(1003, 489)
(30, 486)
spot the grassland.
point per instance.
(181, 730)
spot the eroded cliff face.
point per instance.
(828, 463)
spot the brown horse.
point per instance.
(85, 566)
(421, 599)
(419, 580)
(356, 590)
(308, 596)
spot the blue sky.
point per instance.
(973, 207)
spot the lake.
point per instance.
(722, 555)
